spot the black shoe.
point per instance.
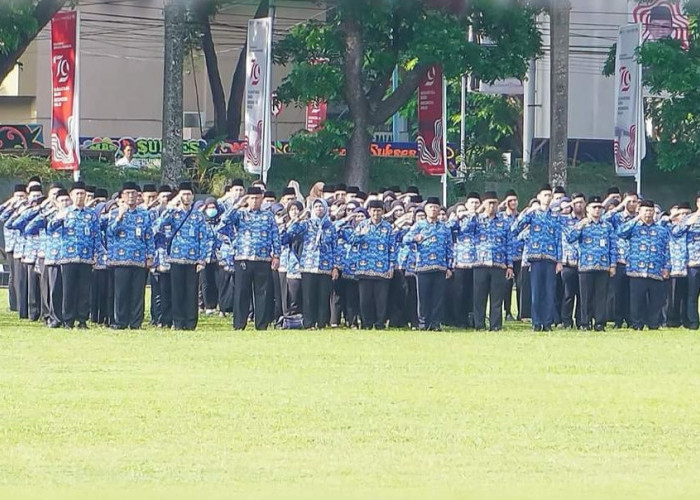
(53, 324)
(82, 326)
(509, 317)
(600, 328)
(547, 328)
(68, 327)
(495, 329)
(537, 328)
(117, 327)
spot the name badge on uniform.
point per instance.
(603, 243)
(87, 230)
(192, 233)
(138, 232)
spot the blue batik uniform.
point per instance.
(376, 256)
(9, 234)
(80, 232)
(544, 242)
(257, 236)
(406, 258)
(597, 245)
(648, 254)
(464, 246)
(678, 251)
(492, 238)
(569, 249)
(289, 259)
(37, 227)
(190, 243)
(225, 237)
(346, 254)
(435, 252)
(517, 244)
(31, 241)
(691, 233)
(319, 245)
(617, 219)
(130, 240)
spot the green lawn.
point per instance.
(347, 414)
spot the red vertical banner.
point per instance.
(431, 122)
(316, 112)
(65, 154)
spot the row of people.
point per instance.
(342, 256)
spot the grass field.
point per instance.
(347, 414)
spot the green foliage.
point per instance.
(20, 167)
(673, 72)
(16, 22)
(322, 146)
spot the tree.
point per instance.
(227, 118)
(20, 22)
(349, 59)
(673, 73)
(172, 162)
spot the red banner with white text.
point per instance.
(315, 115)
(65, 154)
(431, 122)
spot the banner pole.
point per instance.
(641, 125)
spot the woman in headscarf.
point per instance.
(208, 277)
(315, 193)
(289, 271)
(317, 262)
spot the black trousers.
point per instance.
(338, 301)
(571, 297)
(21, 288)
(374, 298)
(525, 307)
(316, 296)
(252, 280)
(33, 292)
(76, 293)
(693, 293)
(677, 313)
(461, 301)
(646, 298)
(412, 300)
(129, 283)
(183, 290)
(508, 297)
(12, 290)
(621, 286)
(593, 286)
(351, 310)
(210, 290)
(489, 285)
(161, 299)
(55, 294)
(274, 297)
(431, 299)
(225, 283)
(290, 289)
(43, 289)
(397, 300)
(102, 303)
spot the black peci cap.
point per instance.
(78, 185)
(511, 192)
(432, 200)
(647, 203)
(612, 190)
(90, 189)
(269, 194)
(149, 188)
(353, 189)
(61, 192)
(328, 188)
(165, 188)
(254, 191)
(130, 186)
(490, 195)
(289, 192)
(684, 205)
(545, 187)
(341, 187)
(20, 188)
(594, 199)
(473, 195)
(35, 188)
(185, 186)
(412, 189)
(101, 193)
(375, 204)
(362, 195)
(55, 184)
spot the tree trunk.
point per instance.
(234, 112)
(217, 89)
(559, 90)
(172, 163)
(357, 159)
(43, 12)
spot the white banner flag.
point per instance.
(258, 98)
(630, 144)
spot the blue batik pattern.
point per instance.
(648, 254)
(597, 245)
(376, 252)
(435, 251)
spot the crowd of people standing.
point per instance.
(342, 257)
